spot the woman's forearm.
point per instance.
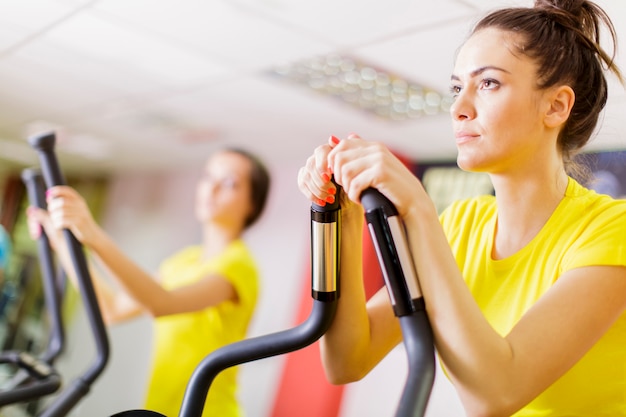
(112, 307)
(357, 340)
(135, 281)
(472, 351)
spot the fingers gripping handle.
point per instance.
(389, 238)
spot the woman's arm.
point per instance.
(494, 374)
(69, 210)
(360, 335)
(497, 375)
(114, 306)
(158, 301)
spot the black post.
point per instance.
(389, 238)
(44, 144)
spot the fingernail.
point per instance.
(330, 199)
(332, 191)
(47, 193)
(320, 202)
(325, 177)
(334, 139)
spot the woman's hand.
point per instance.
(38, 220)
(356, 165)
(314, 178)
(68, 210)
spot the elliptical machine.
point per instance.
(46, 379)
(389, 237)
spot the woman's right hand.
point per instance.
(67, 209)
(314, 178)
(38, 221)
(356, 165)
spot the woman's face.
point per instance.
(223, 192)
(497, 111)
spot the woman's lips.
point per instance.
(464, 137)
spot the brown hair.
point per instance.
(563, 37)
(259, 183)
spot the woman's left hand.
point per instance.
(358, 164)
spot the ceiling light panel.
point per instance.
(365, 87)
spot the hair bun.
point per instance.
(573, 7)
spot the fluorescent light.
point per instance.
(363, 86)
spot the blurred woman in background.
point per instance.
(204, 295)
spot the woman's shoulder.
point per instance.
(593, 204)
(470, 207)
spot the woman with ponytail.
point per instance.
(525, 290)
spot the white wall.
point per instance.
(150, 217)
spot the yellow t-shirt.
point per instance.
(182, 341)
(585, 229)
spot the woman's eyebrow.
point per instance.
(479, 71)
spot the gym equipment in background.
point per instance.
(80, 386)
(36, 376)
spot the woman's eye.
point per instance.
(229, 183)
(455, 90)
(489, 84)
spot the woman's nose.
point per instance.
(462, 108)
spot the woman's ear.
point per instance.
(561, 100)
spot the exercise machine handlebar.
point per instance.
(69, 397)
(325, 237)
(34, 184)
(43, 379)
(36, 377)
(389, 237)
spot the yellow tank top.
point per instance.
(585, 229)
(181, 341)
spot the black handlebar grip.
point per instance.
(45, 144)
(394, 256)
(372, 199)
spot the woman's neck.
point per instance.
(525, 203)
(216, 238)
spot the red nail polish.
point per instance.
(320, 202)
(334, 139)
(330, 199)
(332, 191)
(325, 177)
